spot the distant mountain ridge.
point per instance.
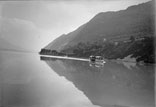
(63, 40)
(134, 21)
(114, 35)
(4, 45)
(7, 46)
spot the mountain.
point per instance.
(63, 40)
(133, 21)
(7, 46)
(4, 45)
(113, 35)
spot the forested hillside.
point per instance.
(113, 35)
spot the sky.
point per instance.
(31, 25)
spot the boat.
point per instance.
(97, 59)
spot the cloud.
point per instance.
(33, 24)
(46, 15)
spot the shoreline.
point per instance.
(87, 59)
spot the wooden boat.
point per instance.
(97, 59)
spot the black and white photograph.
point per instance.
(77, 53)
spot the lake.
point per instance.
(28, 80)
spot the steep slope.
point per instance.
(135, 21)
(128, 22)
(63, 40)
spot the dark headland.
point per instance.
(122, 35)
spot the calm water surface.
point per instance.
(28, 81)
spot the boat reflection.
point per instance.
(114, 85)
(95, 64)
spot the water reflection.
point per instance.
(94, 64)
(25, 81)
(113, 85)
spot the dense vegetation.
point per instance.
(142, 49)
(51, 52)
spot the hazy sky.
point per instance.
(33, 24)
